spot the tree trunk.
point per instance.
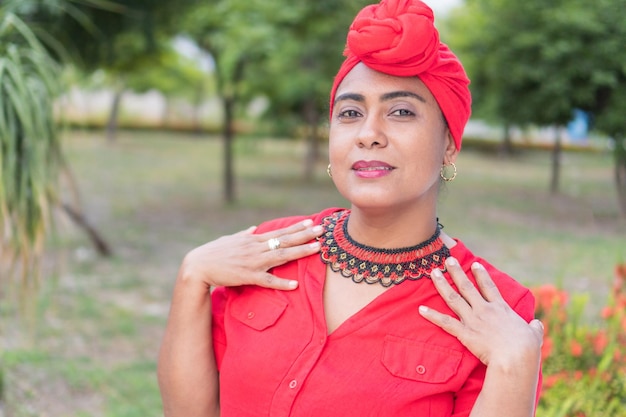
(113, 115)
(507, 144)
(99, 243)
(230, 99)
(311, 116)
(165, 115)
(620, 173)
(197, 105)
(556, 162)
(228, 138)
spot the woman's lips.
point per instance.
(371, 169)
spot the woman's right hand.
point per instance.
(244, 258)
(187, 372)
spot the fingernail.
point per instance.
(318, 228)
(292, 284)
(314, 245)
(451, 262)
(477, 266)
(436, 273)
(423, 309)
(307, 222)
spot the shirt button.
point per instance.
(293, 384)
(251, 315)
(421, 369)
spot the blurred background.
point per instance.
(132, 131)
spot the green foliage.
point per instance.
(235, 33)
(532, 62)
(299, 75)
(30, 156)
(170, 73)
(610, 101)
(287, 51)
(43, 16)
(111, 34)
(131, 40)
(583, 365)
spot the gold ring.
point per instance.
(273, 243)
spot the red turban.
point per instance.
(398, 37)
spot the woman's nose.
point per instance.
(372, 133)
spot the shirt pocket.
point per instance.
(258, 310)
(420, 361)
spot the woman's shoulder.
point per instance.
(281, 222)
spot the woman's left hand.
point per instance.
(486, 324)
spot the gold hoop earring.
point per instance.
(329, 172)
(442, 173)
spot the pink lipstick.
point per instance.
(371, 169)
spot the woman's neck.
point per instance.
(389, 230)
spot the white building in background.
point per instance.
(151, 109)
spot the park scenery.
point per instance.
(131, 133)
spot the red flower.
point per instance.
(550, 300)
(600, 342)
(576, 348)
(551, 380)
(607, 312)
(619, 284)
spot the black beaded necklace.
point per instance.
(372, 265)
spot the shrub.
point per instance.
(583, 365)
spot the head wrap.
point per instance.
(398, 37)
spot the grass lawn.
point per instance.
(154, 196)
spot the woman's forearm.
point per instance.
(509, 389)
(187, 373)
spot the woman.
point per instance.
(371, 311)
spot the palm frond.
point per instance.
(29, 145)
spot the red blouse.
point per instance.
(276, 358)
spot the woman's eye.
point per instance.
(348, 114)
(402, 112)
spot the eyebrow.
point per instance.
(350, 96)
(385, 97)
(397, 94)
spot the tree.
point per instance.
(298, 77)
(286, 51)
(174, 76)
(30, 153)
(609, 106)
(533, 62)
(121, 37)
(235, 33)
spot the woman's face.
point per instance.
(388, 141)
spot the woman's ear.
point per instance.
(450, 151)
